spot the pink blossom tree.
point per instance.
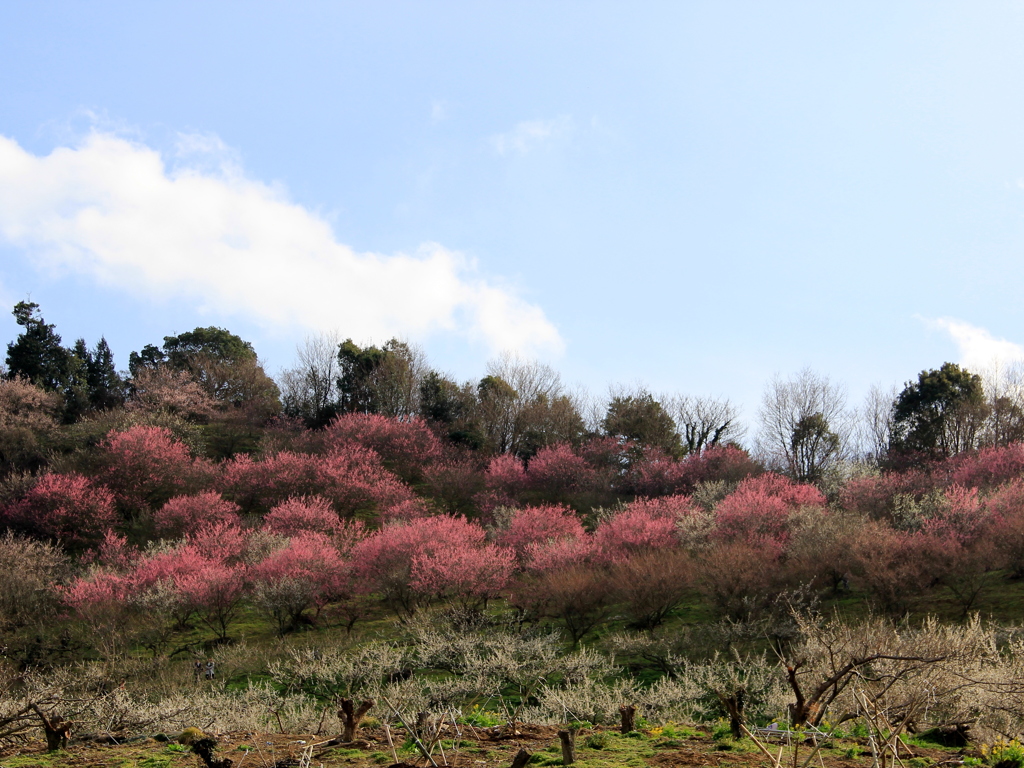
(68, 508)
(406, 447)
(961, 518)
(760, 507)
(303, 514)
(308, 572)
(1006, 512)
(383, 562)
(505, 482)
(184, 515)
(558, 474)
(469, 576)
(352, 478)
(988, 467)
(655, 473)
(531, 525)
(638, 528)
(554, 555)
(145, 466)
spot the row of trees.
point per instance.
(805, 427)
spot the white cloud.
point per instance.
(530, 134)
(111, 208)
(979, 350)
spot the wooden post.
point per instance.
(568, 739)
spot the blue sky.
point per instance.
(691, 195)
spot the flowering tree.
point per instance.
(638, 528)
(505, 477)
(28, 414)
(556, 555)
(649, 585)
(656, 473)
(350, 477)
(183, 515)
(405, 447)
(214, 589)
(383, 562)
(469, 576)
(557, 473)
(161, 388)
(1006, 512)
(145, 466)
(961, 518)
(988, 467)
(453, 483)
(876, 495)
(759, 509)
(303, 514)
(580, 597)
(532, 525)
(68, 508)
(308, 572)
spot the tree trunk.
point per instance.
(351, 717)
(734, 706)
(568, 739)
(57, 730)
(628, 714)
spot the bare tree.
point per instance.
(1004, 393)
(805, 428)
(519, 397)
(396, 381)
(310, 388)
(704, 422)
(875, 422)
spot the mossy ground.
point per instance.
(594, 749)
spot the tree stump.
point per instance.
(628, 714)
(568, 739)
(521, 759)
(56, 729)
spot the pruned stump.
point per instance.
(204, 748)
(568, 739)
(56, 729)
(628, 714)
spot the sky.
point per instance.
(689, 196)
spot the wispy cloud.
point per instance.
(978, 349)
(530, 134)
(201, 230)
